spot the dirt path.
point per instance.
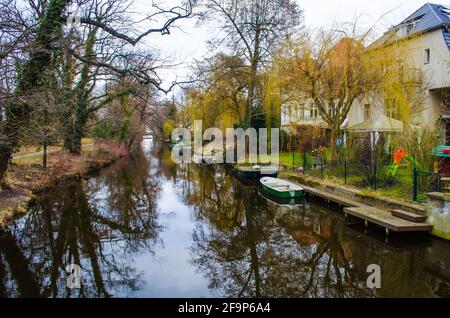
(32, 154)
(41, 153)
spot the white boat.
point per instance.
(281, 188)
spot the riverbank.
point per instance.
(436, 210)
(29, 177)
(149, 210)
(362, 196)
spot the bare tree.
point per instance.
(43, 129)
(43, 54)
(253, 29)
(333, 69)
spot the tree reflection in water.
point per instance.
(99, 224)
(251, 248)
(240, 244)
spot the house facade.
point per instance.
(426, 38)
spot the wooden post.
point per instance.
(415, 185)
(373, 159)
(438, 182)
(345, 170)
(293, 159)
(304, 161)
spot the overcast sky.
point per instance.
(187, 44)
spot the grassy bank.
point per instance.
(27, 176)
(401, 189)
(399, 192)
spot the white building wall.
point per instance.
(436, 73)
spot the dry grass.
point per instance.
(35, 155)
(27, 176)
(28, 173)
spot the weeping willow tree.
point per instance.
(403, 94)
(336, 70)
(219, 98)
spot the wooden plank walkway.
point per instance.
(386, 220)
(370, 214)
(345, 202)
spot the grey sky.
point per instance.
(187, 44)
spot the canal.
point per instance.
(146, 227)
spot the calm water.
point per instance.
(148, 228)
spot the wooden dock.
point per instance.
(327, 196)
(369, 214)
(386, 220)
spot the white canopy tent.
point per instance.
(374, 127)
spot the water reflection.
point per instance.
(96, 224)
(147, 227)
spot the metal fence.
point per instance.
(364, 174)
(425, 182)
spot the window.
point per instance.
(284, 114)
(301, 112)
(313, 111)
(447, 133)
(409, 28)
(411, 24)
(427, 56)
(332, 109)
(295, 112)
(366, 112)
(390, 107)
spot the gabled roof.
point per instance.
(427, 18)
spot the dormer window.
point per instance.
(427, 56)
(409, 27)
(411, 24)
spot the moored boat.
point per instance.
(256, 172)
(289, 202)
(281, 188)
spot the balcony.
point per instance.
(412, 76)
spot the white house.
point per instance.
(427, 37)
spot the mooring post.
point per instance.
(293, 160)
(345, 170)
(304, 161)
(415, 185)
(321, 167)
(438, 182)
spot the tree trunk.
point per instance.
(3, 167)
(335, 134)
(44, 158)
(253, 77)
(78, 129)
(30, 77)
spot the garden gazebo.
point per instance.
(373, 126)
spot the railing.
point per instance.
(374, 174)
(412, 76)
(425, 179)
